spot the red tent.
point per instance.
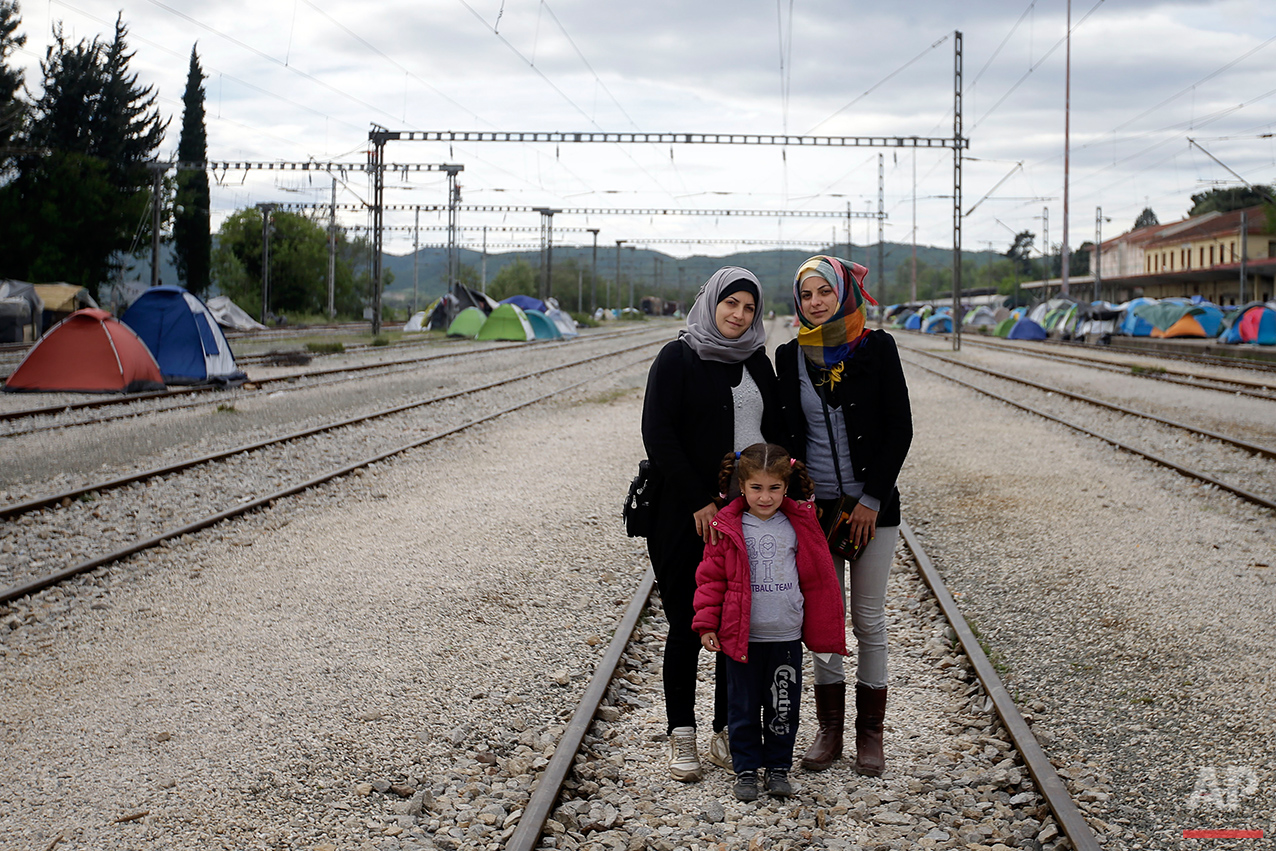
(88, 352)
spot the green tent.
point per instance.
(1003, 327)
(543, 326)
(467, 323)
(507, 322)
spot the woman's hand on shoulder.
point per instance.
(704, 523)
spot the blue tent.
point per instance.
(1026, 329)
(542, 325)
(526, 302)
(183, 336)
(1135, 326)
(940, 323)
(914, 322)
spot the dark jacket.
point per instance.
(688, 423)
(874, 401)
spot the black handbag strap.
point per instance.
(828, 424)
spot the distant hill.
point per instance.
(654, 271)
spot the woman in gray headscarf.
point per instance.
(710, 392)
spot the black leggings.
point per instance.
(675, 569)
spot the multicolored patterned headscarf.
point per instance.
(829, 345)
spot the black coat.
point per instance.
(688, 425)
(874, 401)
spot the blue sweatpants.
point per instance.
(762, 705)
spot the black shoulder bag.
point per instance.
(835, 519)
(640, 505)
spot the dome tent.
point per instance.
(88, 352)
(507, 322)
(183, 336)
(467, 323)
(542, 325)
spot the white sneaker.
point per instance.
(684, 762)
(720, 750)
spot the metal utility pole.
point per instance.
(416, 258)
(631, 279)
(453, 252)
(483, 278)
(593, 274)
(913, 273)
(580, 290)
(266, 210)
(1045, 252)
(1064, 259)
(157, 210)
(619, 243)
(1098, 253)
(849, 258)
(547, 250)
(881, 228)
(332, 253)
(957, 144)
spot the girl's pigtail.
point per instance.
(725, 471)
(800, 484)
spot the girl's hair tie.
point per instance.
(792, 461)
(737, 456)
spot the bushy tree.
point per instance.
(298, 265)
(191, 236)
(1224, 200)
(1146, 219)
(517, 278)
(83, 185)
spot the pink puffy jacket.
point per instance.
(724, 593)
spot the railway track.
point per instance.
(44, 418)
(572, 747)
(1213, 458)
(127, 514)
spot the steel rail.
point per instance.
(257, 383)
(1238, 361)
(531, 824)
(1038, 764)
(39, 583)
(1248, 496)
(1257, 449)
(1188, 379)
(17, 509)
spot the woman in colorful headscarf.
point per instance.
(844, 395)
(710, 392)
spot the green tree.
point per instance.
(12, 109)
(1019, 250)
(1230, 198)
(1146, 219)
(517, 278)
(298, 265)
(83, 186)
(191, 235)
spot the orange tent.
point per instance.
(1185, 326)
(88, 352)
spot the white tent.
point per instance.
(230, 315)
(417, 322)
(562, 321)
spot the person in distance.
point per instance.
(709, 392)
(847, 406)
(763, 588)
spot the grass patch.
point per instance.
(609, 396)
(1147, 370)
(326, 347)
(584, 320)
(633, 315)
(997, 660)
(226, 408)
(381, 340)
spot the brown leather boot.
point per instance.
(870, 712)
(830, 712)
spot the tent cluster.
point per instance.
(519, 318)
(167, 336)
(1067, 319)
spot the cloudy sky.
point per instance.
(296, 80)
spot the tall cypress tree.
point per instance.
(191, 236)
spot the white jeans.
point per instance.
(869, 574)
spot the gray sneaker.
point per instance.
(777, 783)
(746, 786)
(684, 762)
(720, 750)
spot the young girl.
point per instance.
(764, 587)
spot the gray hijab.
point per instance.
(702, 332)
